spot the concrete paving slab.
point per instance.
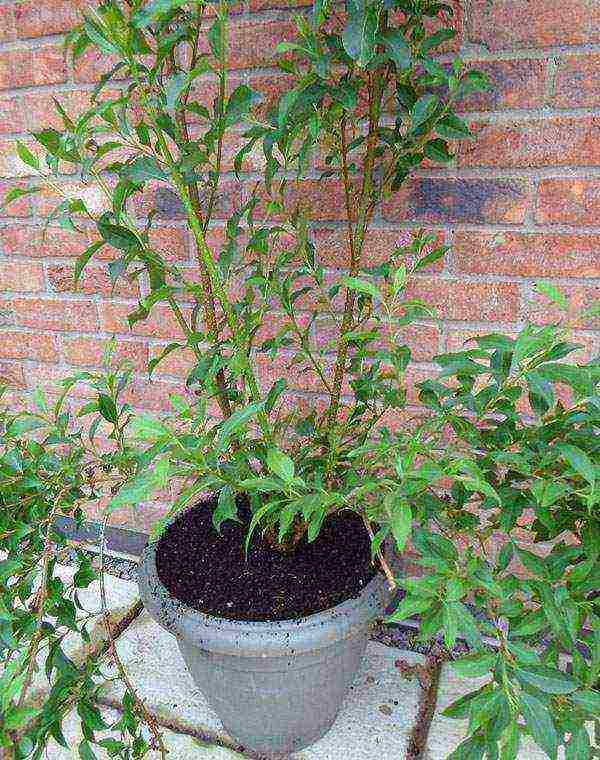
(374, 723)
(178, 746)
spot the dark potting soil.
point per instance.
(209, 572)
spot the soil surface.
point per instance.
(209, 572)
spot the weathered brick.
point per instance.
(577, 82)
(12, 373)
(440, 200)
(538, 143)
(30, 242)
(7, 23)
(511, 24)
(569, 201)
(323, 199)
(252, 44)
(160, 199)
(54, 314)
(26, 67)
(160, 323)
(21, 277)
(178, 364)
(333, 247)
(271, 87)
(86, 351)
(24, 345)
(581, 297)
(515, 84)
(527, 255)
(468, 301)
(93, 279)
(92, 65)
(36, 18)
(12, 115)
(264, 5)
(91, 194)
(40, 111)
(170, 242)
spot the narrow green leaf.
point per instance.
(540, 724)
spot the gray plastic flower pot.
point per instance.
(276, 686)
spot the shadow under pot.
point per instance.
(276, 684)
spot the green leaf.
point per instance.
(141, 170)
(154, 10)
(362, 286)
(143, 427)
(107, 408)
(85, 751)
(401, 522)
(17, 192)
(578, 747)
(540, 724)
(547, 680)
(588, 699)
(398, 49)
(579, 461)
(553, 293)
(237, 421)
(26, 156)
(475, 665)
(424, 109)
(360, 33)
(121, 238)
(84, 258)
(240, 103)
(280, 464)
(142, 486)
(409, 606)
(226, 508)
(437, 150)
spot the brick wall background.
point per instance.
(519, 203)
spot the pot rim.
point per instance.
(257, 638)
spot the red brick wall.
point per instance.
(520, 202)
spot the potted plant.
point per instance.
(264, 567)
(296, 491)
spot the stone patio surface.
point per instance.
(375, 722)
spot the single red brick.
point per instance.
(30, 241)
(439, 200)
(160, 323)
(54, 314)
(515, 84)
(92, 65)
(264, 5)
(509, 24)
(333, 247)
(569, 201)
(177, 364)
(42, 65)
(252, 44)
(36, 18)
(539, 143)
(89, 351)
(170, 242)
(527, 255)
(577, 82)
(12, 115)
(12, 373)
(41, 112)
(581, 297)
(468, 301)
(21, 277)
(93, 280)
(160, 198)
(154, 395)
(7, 23)
(22, 345)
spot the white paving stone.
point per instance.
(178, 746)
(373, 724)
